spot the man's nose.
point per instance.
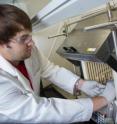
(31, 43)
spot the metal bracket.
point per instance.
(65, 32)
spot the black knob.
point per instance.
(70, 49)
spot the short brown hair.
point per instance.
(12, 21)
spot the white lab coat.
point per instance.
(18, 103)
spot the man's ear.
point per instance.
(8, 46)
(5, 46)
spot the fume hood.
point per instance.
(95, 45)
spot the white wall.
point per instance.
(49, 46)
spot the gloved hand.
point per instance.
(109, 91)
(91, 88)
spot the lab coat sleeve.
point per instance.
(26, 107)
(58, 75)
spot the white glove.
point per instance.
(92, 88)
(109, 91)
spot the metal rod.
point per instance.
(107, 25)
(57, 35)
(115, 41)
(113, 30)
(109, 12)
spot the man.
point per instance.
(22, 65)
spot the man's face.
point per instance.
(20, 46)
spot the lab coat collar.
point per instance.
(9, 68)
(6, 66)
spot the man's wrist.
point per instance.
(99, 102)
(81, 82)
(77, 86)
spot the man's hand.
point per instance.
(109, 91)
(91, 88)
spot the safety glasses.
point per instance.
(24, 39)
